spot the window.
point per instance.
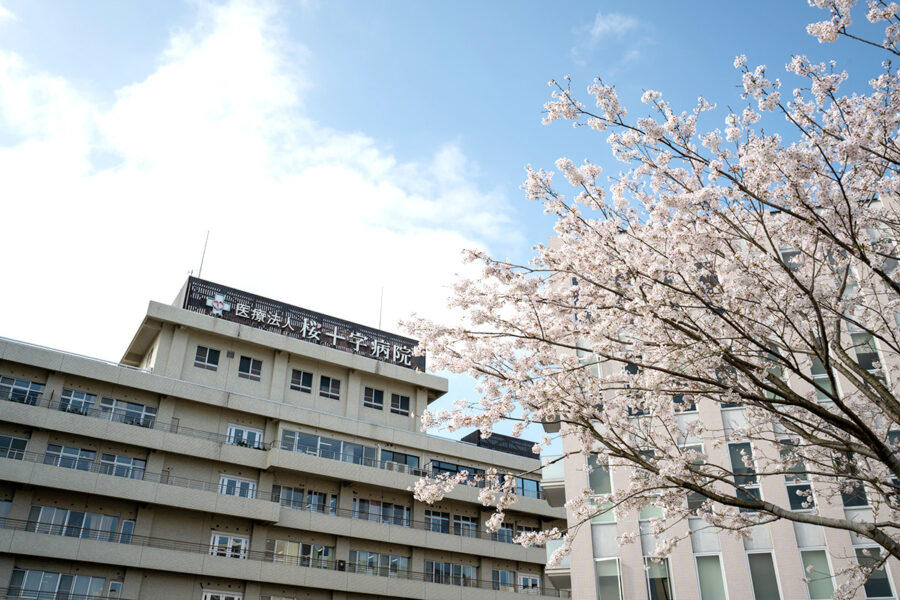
(12, 447)
(297, 553)
(20, 390)
(465, 526)
(206, 358)
(797, 481)
(762, 575)
(504, 581)
(504, 534)
(385, 565)
(305, 443)
(49, 585)
(528, 488)
(319, 502)
(681, 405)
(744, 474)
(301, 381)
(878, 585)
(212, 595)
(122, 466)
(450, 573)
(824, 389)
(79, 403)
(400, 405)
(329, 387)
(114, 590)
(72, 523)
(658, 584)
(818, 574)
(866, 352)
(69, 457)
(250, 368)
(439, 466)
(227, 544)
(381, 512)
(709, 575)
(437, 521)
(247, 437)
(390, 456)
(608, 585)
(600, 483)
(129, 413)
(127, 531)
(288, 497)
(373, 398)
(853, 493)
(530, 584)
(237, 486)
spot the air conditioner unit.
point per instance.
(392, 466)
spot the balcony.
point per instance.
(256, 565)
(145, 421)
(553, 480)
(561, 574)
(94, 477)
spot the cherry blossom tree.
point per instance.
(723, 268)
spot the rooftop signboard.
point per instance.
(234, 305)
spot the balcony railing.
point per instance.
(127, 417)
(165, 478)
(39, 595)
(474, 481)
(88, 466)
(452, 529)
(292, 561)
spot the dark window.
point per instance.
(373, 398)
(250, 368)
(682, 406)
(301, 381)
(329, 387)
(400, 404)
(398, 457)
(207, 358)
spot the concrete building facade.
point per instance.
(782, 560)
(245, 449)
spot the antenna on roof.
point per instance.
(380, 307)
(203, 256)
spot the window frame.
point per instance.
(21, 390)
(332, 390)
(13, 453)
(298, 379)
(254, 368)
(397, 407)
(883, 568)
(373, 398)
(206, 363)
(120, 461)
(243, 551)
(223, 485)
(231, 436)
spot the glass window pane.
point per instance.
(878, 585)
(608, 587)
(709, 573)
(762, 574)
(815, 569)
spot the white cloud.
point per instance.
(6, 14)
(106, 207)
(611, 25)
(612, 39)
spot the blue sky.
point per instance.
(331, 147)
